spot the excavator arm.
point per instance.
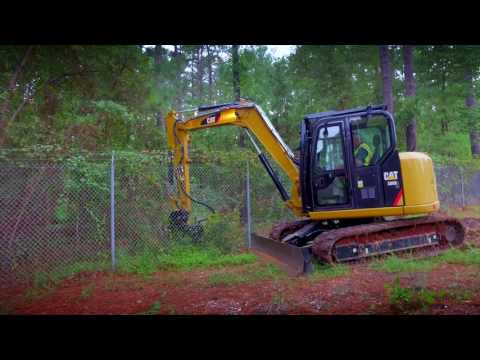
(245, 115)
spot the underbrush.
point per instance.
(413, 299)
(395, 264)
(45, 282)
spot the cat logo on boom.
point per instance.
(212, 119)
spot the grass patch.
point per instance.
(6, 309)
(268, 271)
(153, 310)
(181, 258)
(412, 299)
(87, 291)
(322, 271)
(395, 264)
(470, 256)
(45, 282)
(403, 299)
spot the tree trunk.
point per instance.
(471, 103)
(158, 61)
(210, 75)
(377, 86)
(236, 72)
(200, 70)
(241, 140)
(444, 121)
(410, 91)
(12, 86)
(387, 77)
(179, 91)
(236, 84)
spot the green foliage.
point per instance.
(470, 256)
(44, 282)
(413, 299)
(153, 310)
(404, 299)
(120, 95)
(87, 291)
(224, 232)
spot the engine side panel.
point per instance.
(419, 183)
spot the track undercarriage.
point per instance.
(296, 242)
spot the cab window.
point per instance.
(371, 139)
(329, 177)
(329, 154)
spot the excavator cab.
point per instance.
(344, 156)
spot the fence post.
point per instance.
(249, 220)
(463, 190)
(112, 209)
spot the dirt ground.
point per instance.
(361, 291)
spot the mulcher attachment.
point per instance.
(178, 222)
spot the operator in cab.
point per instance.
(363, 153)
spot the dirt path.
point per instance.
(360, 291)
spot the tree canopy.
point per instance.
(115, 97)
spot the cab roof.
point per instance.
(333, 113)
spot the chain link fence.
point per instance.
(99, 213)
(49, 219)
(458, 186)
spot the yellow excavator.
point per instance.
(355, 194)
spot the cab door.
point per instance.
(372, 150)
(330, 185)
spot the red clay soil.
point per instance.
(362, 291)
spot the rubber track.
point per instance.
(283, 228)
(323, 244)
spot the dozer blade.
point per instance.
(296, 260)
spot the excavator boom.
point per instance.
(245, 115)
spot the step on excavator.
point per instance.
(355, 195)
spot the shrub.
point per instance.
(224, 232)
